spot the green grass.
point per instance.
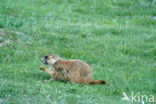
(117, 38)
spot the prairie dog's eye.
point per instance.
(46, 57)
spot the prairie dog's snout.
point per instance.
(44, 60)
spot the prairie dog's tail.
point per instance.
(98, 82)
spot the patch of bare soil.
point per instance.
(7, 37)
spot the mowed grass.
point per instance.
(117, 38)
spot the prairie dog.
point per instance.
(73, 70)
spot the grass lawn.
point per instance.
(117, 38)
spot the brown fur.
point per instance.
(75, 70)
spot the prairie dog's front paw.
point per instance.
(42, 68)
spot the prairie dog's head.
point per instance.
(50, 59)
